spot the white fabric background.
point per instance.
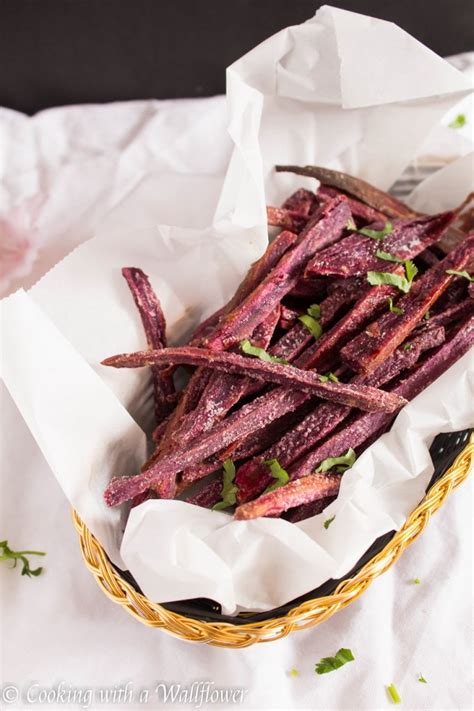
(60, 627)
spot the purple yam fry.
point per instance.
(288, 317)
(209, 495)
(158, 432)
(303, 201)
(286, 375)
(449, 315)
(360, 210)
(324, 228)
(295, 493)
(376, 343)
(257, 273)
(286, 219)
(356, 255)
(378, 199)
(154, 325)
(310, 289)
(304, 511)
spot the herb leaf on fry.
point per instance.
(374, 234)
(387, 257)
(394, 309)
(464, 274)
(310, 320)
(229, 489)
(247, 348)
(402, 283)
(278, 473)
(345, 461)
(329, 376)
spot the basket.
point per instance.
(201, 620)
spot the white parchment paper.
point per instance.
(309, 94)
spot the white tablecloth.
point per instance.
(60, 634)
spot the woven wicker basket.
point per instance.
(453, 456)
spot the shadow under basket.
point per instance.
(201, 620)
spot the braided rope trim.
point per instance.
(308, 614)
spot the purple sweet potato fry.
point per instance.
(378, 341)
(310, 289)
(286, 219)
(286, 375)
(360, 211)
(303, 201)
(295, 493)
(378, 199)
(154, 325)
(324, 228)
(288, 317)
(257, 273)
(209, 495)
(356, 255)
(449, 315)
(304, 511)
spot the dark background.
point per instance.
(55, 52)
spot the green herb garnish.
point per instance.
(293, 672)
(422, 679)
(310, 320)
(345, 461)
(458, 122)
(229, 489)
(278, 473)
(329, 376)
(373, 234)
(379, 278)
(328, 521)
(247, 348)
(426, 317)
(460, 274)
(411, 270)
(387, 257)
(407, 347)
(313, 326)
(416, 581)
(314, 311)
(394, 309)
(329, 664)
(402, 283)
(6, 553)
(393, 693)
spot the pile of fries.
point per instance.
(356, 307)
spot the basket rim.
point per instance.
(302, 616)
